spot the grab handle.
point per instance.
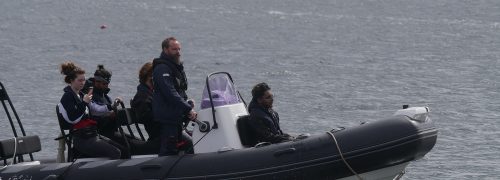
(285, 151)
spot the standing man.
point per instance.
(170, 106)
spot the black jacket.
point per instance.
(265, 124)
(169, 95)
(142, 106)
(72, 107)
(100, 111)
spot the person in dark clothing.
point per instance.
(101, 108)
(74, 109)
(141, 103)
(264, 121)
(170, 106)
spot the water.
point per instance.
(329, 63)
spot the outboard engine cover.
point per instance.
(221, 106)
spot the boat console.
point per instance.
(221, 107)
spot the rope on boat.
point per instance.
(342, 156)
(182, 156)
(14, 156)
(15, 151)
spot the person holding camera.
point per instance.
(102, 107)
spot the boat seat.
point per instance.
(127, 117)
(22, 145)
(247, 134)
(66, 132)
(66, 129)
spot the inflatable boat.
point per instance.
(379, 149)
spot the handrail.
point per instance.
(5, 97)
(120, 129)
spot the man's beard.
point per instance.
(176, 58)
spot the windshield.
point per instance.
(222, 90)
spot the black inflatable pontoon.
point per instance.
(368, 147)
(373, 150)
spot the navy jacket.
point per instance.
(72, 107)
(265, 124)
(100, 111)
(142, 106)
(169, 103)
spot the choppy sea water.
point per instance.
(329, 63)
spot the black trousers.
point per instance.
(172, 139)
(97, 147)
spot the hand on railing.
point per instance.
(117, 102)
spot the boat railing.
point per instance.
(22, 144)
(127, 117)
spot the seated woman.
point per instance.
(141, 104)
(101, 106)
(264, 121)
(74, 108)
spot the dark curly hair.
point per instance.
(259, 90)
(70, 70)
(103, 73)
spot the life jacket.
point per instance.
(180, 83)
